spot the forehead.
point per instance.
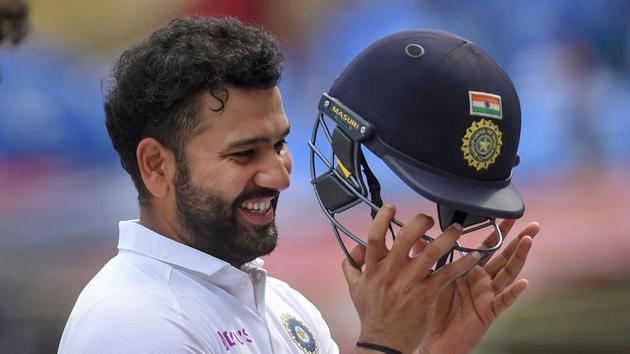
(246, 113)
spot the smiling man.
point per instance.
(197, 118)
(198, 122)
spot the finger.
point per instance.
(454, 270)
(351, 273)
(508, 297)
(376, 248)
(513, 268)
(408, 235)
(480, 286)
(505, 226)
(438, 248)
(418, 247)
(497, 262)
(491, 240)
(530, 230)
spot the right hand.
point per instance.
(396, 295)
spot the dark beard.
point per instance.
(211, 225)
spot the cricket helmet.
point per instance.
(440, 113)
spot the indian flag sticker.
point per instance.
(485, 104)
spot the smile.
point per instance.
(257, 211)
(257, 206)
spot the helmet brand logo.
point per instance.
(345, 117)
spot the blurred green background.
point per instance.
(62, 191)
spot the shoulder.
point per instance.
(283, 297)
(128, 306)
(126, 277)
(128, 321)
(287, 293)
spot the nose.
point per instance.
(274, 171)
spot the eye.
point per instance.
(243, 155)
(279, 146)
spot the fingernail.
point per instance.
(476, 255)
(457, 226)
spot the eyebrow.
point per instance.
(255, 140)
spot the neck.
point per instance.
(165, 224)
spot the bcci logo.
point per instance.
(482, 144)
(300, 334)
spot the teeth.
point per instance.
(260, 207)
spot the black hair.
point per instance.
(156, 82)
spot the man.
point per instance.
(197, 119)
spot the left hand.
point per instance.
(470, 304)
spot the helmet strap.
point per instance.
(374, 187)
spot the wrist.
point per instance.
(377, 348)
(388, 341)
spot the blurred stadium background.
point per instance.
(62, 191)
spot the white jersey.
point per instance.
(161, 296)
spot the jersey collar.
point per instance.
(137, 238)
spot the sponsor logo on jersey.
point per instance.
(485, 104)
(234, 338)
(300, 334)
(481, 144)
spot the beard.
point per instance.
(212, 226)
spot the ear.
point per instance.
(157, 166)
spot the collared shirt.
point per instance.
(161, 296)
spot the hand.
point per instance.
(396, 296)
(468, 306)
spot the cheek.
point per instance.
(233, 184)
(225, 180)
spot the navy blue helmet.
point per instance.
(440, 113)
